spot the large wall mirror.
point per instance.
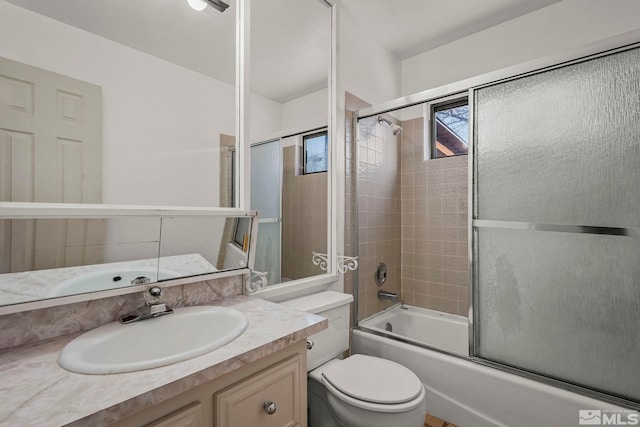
(116, 102)
(135, 103)
(290, 168)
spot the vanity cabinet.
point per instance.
(269, 392)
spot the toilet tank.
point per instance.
(334, 340)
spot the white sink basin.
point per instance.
(188, 332)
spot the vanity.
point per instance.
(259, 379)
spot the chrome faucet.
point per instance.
(152, 307)
(387, 295)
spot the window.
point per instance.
(450, 129)
(316, 156)
(241, 232)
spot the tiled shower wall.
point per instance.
(304, 217)
(378, 213)
(412, 216)
(435, 271)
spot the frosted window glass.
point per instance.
(562, 305)
(562, 147)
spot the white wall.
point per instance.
(366, 69)
(561, 26)
(265, 116)
(307, 112)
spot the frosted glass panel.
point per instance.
(267, 257)
(266, 171)
(562, 147)
(266, 188)
(563, 305)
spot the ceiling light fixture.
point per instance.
(201, 5)
(198, 5)
(219, 5)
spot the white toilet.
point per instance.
(359, 391)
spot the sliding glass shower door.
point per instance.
(266, 190)
(556, 223)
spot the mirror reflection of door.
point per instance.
(50, 151)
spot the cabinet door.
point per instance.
(189, 416)
(282, 385)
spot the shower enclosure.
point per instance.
(412, 213)
(544, 255)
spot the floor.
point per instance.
(431, 421)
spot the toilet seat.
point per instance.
(374, 384)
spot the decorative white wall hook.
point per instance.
(347, 263)
(256, 285)
(343, 263)
(320, 260)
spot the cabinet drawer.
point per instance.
(243, 404)
(190, 416)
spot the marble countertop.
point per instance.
(35, 390)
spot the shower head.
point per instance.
(394, 128)
(382, 120)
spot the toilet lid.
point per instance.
(373, 379)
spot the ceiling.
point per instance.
(168, 29)
(290, 38)
(410, 27)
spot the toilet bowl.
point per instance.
(367, 391)
(359, 391)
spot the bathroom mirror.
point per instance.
(117, 102)
(290, 161)
(99, 254)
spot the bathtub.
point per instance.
(459, 390)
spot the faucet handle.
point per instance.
(152, 295)
(155, 291)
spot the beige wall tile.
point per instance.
(435, 200)
(412, 216)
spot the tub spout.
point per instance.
(388, 296)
